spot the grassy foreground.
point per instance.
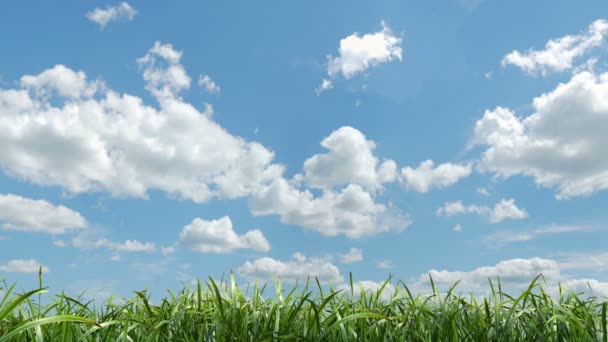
(217, 311)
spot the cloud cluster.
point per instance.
(218, 236)
(115, 143)
(561, 145)
(24, 214)
(103, 17)
(559, 54)
(298, 268)
(358, 53)
(503, 210)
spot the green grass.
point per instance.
(221, 311)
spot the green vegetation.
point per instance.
(218, 311)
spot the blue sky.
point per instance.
(147, 144)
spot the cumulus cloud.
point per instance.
(353, 255)
(350, 160)
(561, 145)
(351, 211)
(103, 17)
(24, 214)
(115, 143)
(426, 176)
(559, 54)
(218, 236)
(457, 228)
(503, 210)
(358, 53)
(205, 82)
(299, 267)
(514, 274)
(23, 266)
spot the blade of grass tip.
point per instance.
(144, 299)
(198, 291)
(604, 322)
(7, 295)
(39, 286)
(10, 306)
(47, 320)
(218, 297)
(352, 288)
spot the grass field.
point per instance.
(222, 311)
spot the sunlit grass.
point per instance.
(222, 311)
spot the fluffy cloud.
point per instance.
(562, 144)
(23, 266)
(208, 84)
(115, 143)
(350, 160)
(559, 54)
(218, 236)
(103, 17)
(426, 176)
(515, 275)
(358, 53)
(353, 255)
(299, 268)
(351, 211)
(24, 214)
(503, 210)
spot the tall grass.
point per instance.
(221, 311)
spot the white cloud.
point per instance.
(483, 191)
(23, 266)
(351, 211)
(208, 84)
(325, 85)
(299, 268)
(515, 275)
(426, 176)
(24, 214)
(384, 264)
(457, 228)
(103, 17)
(353, 255)
(559, 54)
(561, 145)
(503, 210)
(358, 53)
(117, 144)
(504, 237)
(218, 236)
(350, 160)
(134, 246)
(89, 241)
(506, 209)
(61, 81)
